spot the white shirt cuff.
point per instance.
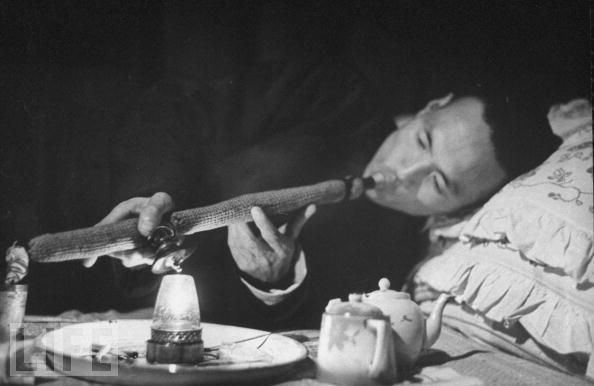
(275, 296)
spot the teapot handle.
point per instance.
(383, 364)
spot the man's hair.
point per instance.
(520, 131)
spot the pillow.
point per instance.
(547, 213)
(570, 118)
(500, 285)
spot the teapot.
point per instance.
(356, 345)
(411, 332)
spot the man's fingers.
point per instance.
(267, 229)
(240, 231)
(295, 226)
(130, 258)
(245, 246)
(150, 211)
(124, 210)
(135, 257)
(88, 263)
(151, 214)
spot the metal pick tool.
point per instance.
(171, 251)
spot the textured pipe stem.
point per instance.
(123, 235)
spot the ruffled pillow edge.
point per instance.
(541, 236)
(503, 293)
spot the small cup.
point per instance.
(13, 299)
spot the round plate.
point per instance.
(248, 355)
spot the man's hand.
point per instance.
(149, 211)
(270, 256)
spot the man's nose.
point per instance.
(414, 171)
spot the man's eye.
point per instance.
(422, 139)
(436, 184)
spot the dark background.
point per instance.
(70, 70)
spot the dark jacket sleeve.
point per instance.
(276, 125)
(225, 299)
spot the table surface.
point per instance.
(454, 359)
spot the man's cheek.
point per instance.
(429, 201)
(438, 205)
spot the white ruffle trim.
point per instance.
(503, 287)
(542, 237)
(566, 119)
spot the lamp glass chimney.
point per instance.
(176, 308)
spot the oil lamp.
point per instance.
(176, 334)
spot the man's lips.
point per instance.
(385, 180)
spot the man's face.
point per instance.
(439, 161)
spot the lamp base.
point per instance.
(175, 347)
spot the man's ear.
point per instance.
(437, 103)
(401, 120)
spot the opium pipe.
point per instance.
(106, 239)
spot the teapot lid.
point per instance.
(353, 307)
(385, 293)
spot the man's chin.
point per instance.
(398, 206)
(379, 200)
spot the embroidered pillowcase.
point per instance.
(526, 255)
(547, 213)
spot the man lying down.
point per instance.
(447, 159)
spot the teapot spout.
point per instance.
(433, 322)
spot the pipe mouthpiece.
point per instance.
(368, 183)
(376, 180)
